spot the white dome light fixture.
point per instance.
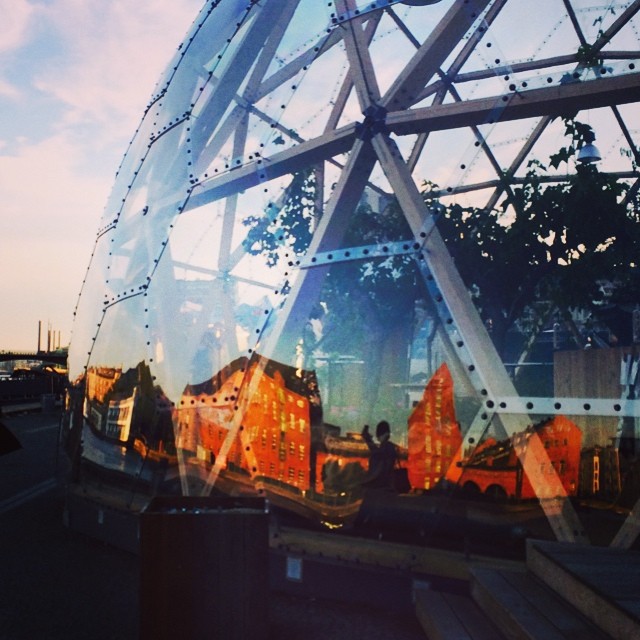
(588, 152)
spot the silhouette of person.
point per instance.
(382, 457)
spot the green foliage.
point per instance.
(579, 135)
(285, 228)
(550, 245)
(364, 297)
(368, 299)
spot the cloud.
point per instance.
(16, 15)
(114, 53)
(8, 90)
(86, 71)
(45, 188)
(48, 219)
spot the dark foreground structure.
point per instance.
(59, 582)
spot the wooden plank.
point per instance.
(438, 618)
(557, 565)
(569, 622)
(418, 559)
(474, 620)
(508, 609)
(613, 573)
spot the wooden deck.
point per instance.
(603, 583)
(564, 592)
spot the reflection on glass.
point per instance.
(308, 235)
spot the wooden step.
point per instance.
(447, 616)
(602, 583)
(525, 609)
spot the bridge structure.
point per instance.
(50, 357)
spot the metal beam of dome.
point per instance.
(553, 101)
(527, 104)
(432, 54)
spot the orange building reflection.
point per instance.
(434, 435)
(493, 468)
(276, 426)
(283, 441)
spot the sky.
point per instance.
(75, 78)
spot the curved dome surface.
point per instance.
(320, 223)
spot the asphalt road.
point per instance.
(58, 584)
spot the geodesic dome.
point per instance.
(309, 233)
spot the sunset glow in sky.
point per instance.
(75, 78)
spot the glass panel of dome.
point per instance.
(300, 275)
(194, 243)
(90, 307)
(131, 163)
(121, 339)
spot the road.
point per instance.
(55, 583)
(35, 468)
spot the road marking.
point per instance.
(27, 495)
(47, 427)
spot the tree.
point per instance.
(367, 304)
(549, 248)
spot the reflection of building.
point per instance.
(494, 468)
(434, 434)
(275, 440)
(128, 406)
(119, 415)
(282, 439)
(341, 463)
(100, 381)
(600, 472)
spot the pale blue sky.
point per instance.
(75, 77)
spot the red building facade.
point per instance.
(274, 440)
(494, 468)
(434, 435)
